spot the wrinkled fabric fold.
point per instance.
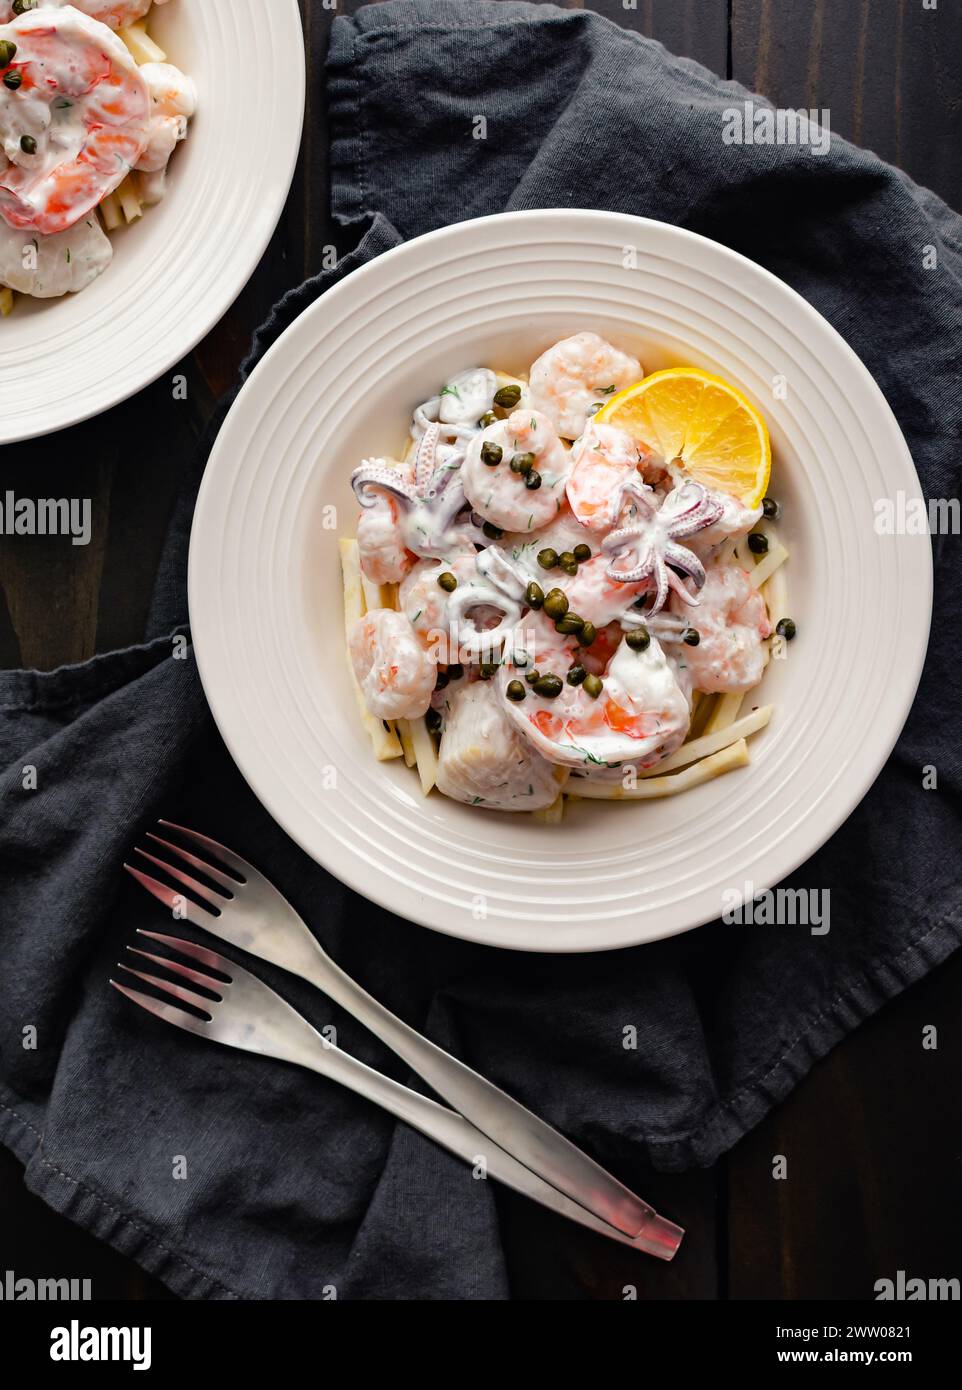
(292, 1188)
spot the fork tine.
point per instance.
(174, 900)
(187, 996)
(168, 1012)
(191, 948)
(219, 851)
(175, 966)
(201, 889)
(223, 879)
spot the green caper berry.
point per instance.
(456, 672)
(587, 635)
(28, 144)
(569, 566)
(576, 675)
(582, 553)
(547, 559)
(757, 543)
(491, 454)
(770, 508)
(493, 533)
(593, 686)
(549, 686)
(442, 680)
(13, 80)
(532, 480)
(534, 595)
(447, 582)
(520, 660)
(556, 603)
(593, 409)
(533, 675)
(566, 558)
(522, 463)
(638, 639)
(515, 691)
(786, 628)
(569, 624)
(8, 51)
(22, 6)
(433, 721)
(508, 396)
(692, 637)
(488, 418)
(487, 669)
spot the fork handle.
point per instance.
(511, 1125)
(456, 1134)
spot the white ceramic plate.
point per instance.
(179, 269)
(266, 600)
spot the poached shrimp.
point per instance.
(385, 558)
(74, 122)
(605, 458)
(396, 673)
(509, 498)
(732, 623)
(575, 377)
(639, 715)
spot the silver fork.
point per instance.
(247, 1014)
(250, 913)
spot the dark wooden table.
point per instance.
(873, 1136)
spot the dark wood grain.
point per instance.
(872, 1143)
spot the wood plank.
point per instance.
(871, 1139)
(888, 74)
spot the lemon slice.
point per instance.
(702, 424)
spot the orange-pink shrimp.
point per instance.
(573, 378)
(385, 559)
(732, 624)
(604, 459)
(73, 126)
(116, 14)
(397, 675)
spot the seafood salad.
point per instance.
(567, 582)
(90, 114)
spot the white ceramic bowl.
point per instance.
(266, 598)
(177, 270)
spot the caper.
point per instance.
(757, 543)
(587, 635)
(28, 144)
(548, 558)
(556, 603)
(442, 680)
(515, 691)
(447, 582)
(692, 637)
(786, 628)
(532, 480)
(455, 671)
(534, 595)
(582, 553)
(550, 686)
(8, 51)
(488, 418)
(576, 675)
(493, 533)
(491, 453)
(433, 721)
(593, 686)
(533, 675)
(487, 669)
(638, 639)
(13, 80)
(522, 463)
(508, 396)
(520, 659)
(22, 6)
(569, 624)
(770, 508)
(593, 409)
